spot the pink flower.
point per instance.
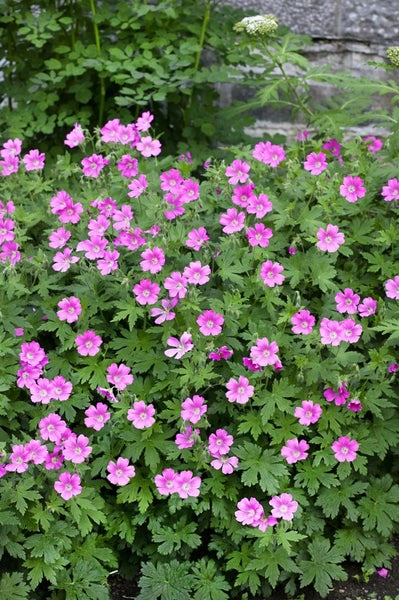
(37, 452)
(242, 194)
(367, 307)
(42, 391)
(232, 220)
(193, 409)
(176, 285)
(295, 450)
(219, 443)
(54, 460)
(137, 186)
(148, 147)
(330, 332)
(153, 260)
(19, 459)
(226, 463)
(333, 146)
(392, 288)
(32, 354)
(10, 253)
(270, 273)
(237, 172)
(70, 309)
(373, 143)
(93, 165)
(264, 352)
(127, 166)
(121, 472)
(355, 405)
(350, 331)
(96, 416)
(259, 235)
(345, 449)
(76, 448)
(119, 376)
(268, 153)
(330, 239)
(284, 507)
(352, 188)
(180, 347)
(143, 123)
(88, 343)
(52, 427)
(165, 313)
(240, 390)
(187, 485)
(392, 368)
(93, 247)
(146, 292)
(58, 238)
(187, 438)
(347, 301)
(197, 238)
(222, 353)
(9, 165)
(315, 163)
(250, 512)
(196, 273)
(383, 572)
(308, 413)
(259, 206)
(166, 483)
(108, 262)
(63, 260)
(34, 160)
(210, 323)
(391, 191)
(68, 485)
(303, 322)
(339, 397)
(75, 136)
(62, 388)
(141, 415)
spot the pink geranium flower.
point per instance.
(295, 450)
(210, 323)
(239, 390)
(284, 507)
(226, 464)
(268, 153)
(367, 307)
(264, 352)
(146, 292)
(176, 285)
(259, 206)
(392, 288)
(96, 416)
(70, 309)
(62, 388)
(259, 235)
(193, 408)
(52, 427)
(308, 412)
(165, 313)
(166, 483)
(148, 147)
(374, 144)
(119, 376)
(352, 188)
(75, 136)
(63, 260)
(250, 512)
(339, 396)
(93, 165)
(120, 472)
(141, 415)
(34, 160)
(350, 331)
(18, 459)
(219, 443)
(76, 448)
(59, 237)
(232, 220)
(270, 273)
(137, 186)
(196, 273)
(127, 166)
(68, 485)
(347, 301)
(391, 190)
(197, 238)
(153, 260)
(179, 346)
(88, 343)
(315, 163)
(345, 449)
(237, 172)
(187, 438)
(32, 354)
(330, 332)
(187, 485)
(303, 322)
(330, 239)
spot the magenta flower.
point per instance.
(330, 332)
(339, 397)
(222, 353)
(308, 412)
(391, 191)
(187, 485)
(315, 163)
(75, 136)
(119, 376)
(295, 450)
(52, 427)
(268, 153)
(19, 459)
(345, 449)
(210, 323)
(120, 472)
(176, 285)
(355, 405)
(68, 485)
(63, 260)
(196, 273)
(93, 165)
(76, 448)
(259, 206)
(37, 452)
(392, 288)
(108, 262)
(146, 292)
(237, 172)
(303, 322)
(96, 416)
(137, 186)
(179, 346)
(374, 144)
(34, 160)
(187, 438)
(333, 146)
(350, 331)
(240, 390)
(392, 368)
(330, 239)
(70, 309)
(165, 313)
(62, 388)
(42, 391)
(367, 307)
(284, 507)
(270, 273)
(259, 235)
(153, 260)
(264, 352)
(122, 218)
(347, 301)
(226, 464)
(93, 247)
(143, 122)
(352, 188)
(88, 343)
(59, 237)
(193, 409)
(219, 443)
(166, 483)
(148, 147)
(141, 415)
(383, 572)
(232, 220)
(127, 166)
(242, 194)
(197, 238)
(32, 354)
(250, 512)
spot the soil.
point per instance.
(355, 588)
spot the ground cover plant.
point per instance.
(199, 364)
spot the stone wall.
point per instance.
(346, 34)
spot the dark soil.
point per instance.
(355, 588)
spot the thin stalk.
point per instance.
(98, 46)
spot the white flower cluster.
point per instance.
(258, 25)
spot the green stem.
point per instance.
(98, 46)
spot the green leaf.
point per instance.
(323, 568)
(171, 581)
(13, 587)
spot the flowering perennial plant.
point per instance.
(186, 345)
